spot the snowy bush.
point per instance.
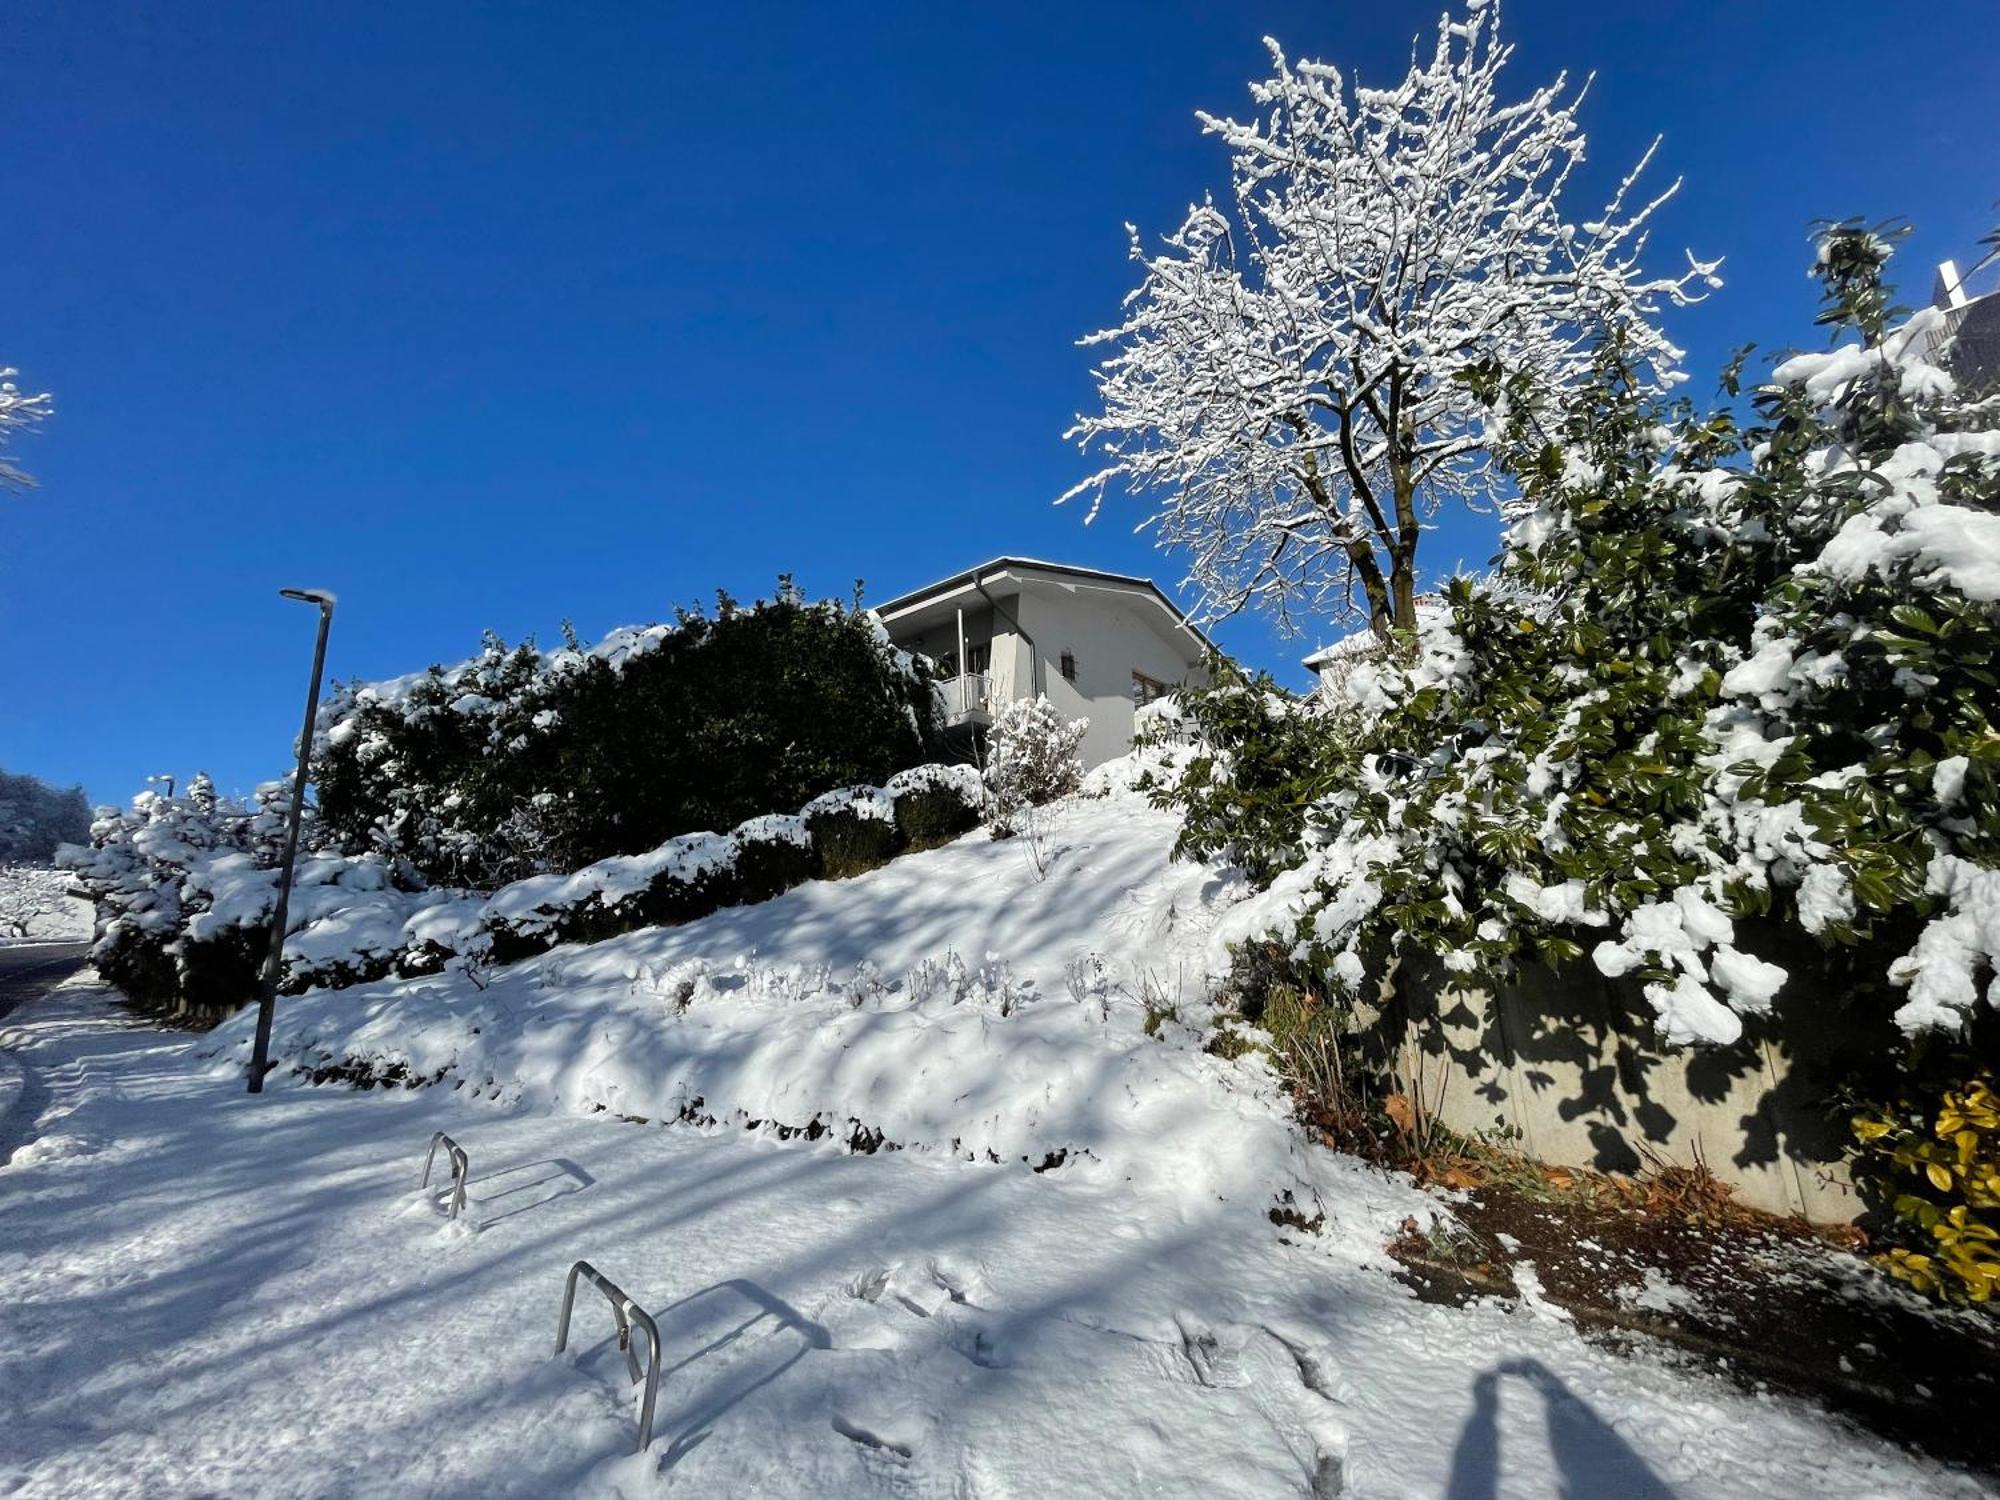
(185, 887)
(774, 852)
(1261, 760)
(1031, 757)
(1736, 682)
(522, 762)
(853, 830)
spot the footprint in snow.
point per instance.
(1215, 1359)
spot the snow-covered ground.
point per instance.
(213, 1293)
(36, 907)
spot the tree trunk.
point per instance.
(1403, 551)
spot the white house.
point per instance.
(1096, 644)
(1971, 321)
(1332, 665)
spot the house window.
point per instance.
(1145, 689)
(1069, 666)
(979, 659)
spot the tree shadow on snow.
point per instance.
(1591, 1459)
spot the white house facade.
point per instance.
(1967, 338)
(1331, 666)
(1096, 644)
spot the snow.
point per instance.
(1654, 1293)
(36, 907)
(212, 1292)
(1954, 950)
(876, 1004)
(867, 802)
(1567, 902)
(536, 901)
(1826, 897)
(1948, 779)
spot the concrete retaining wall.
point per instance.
(1564, 1063)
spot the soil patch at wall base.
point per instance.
(1763, 1301)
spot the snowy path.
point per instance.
(213, 1294)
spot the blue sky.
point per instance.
(488, 316)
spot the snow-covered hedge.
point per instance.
(522, 762)
(1734, 682)
(185, 888)
(837, 834)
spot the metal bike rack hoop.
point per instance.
(459, 1169)
(629, 1315)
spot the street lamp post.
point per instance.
(267, 989)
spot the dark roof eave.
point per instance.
(979, 574)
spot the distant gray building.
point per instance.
(1971, 324)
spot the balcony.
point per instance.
(966, 699)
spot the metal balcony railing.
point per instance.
(965, 696)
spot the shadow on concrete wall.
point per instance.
(1567, 1063)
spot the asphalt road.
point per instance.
(29, 970)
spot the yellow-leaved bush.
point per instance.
(1940, 1167)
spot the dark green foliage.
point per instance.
(670, 899)
(767, 867)
(932, 817)
(516, 763)
(848, 843)
(509, 943)
(138, 963)
(1265, 758)
(359, 968)
(220, 973)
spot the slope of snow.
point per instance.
(989, 1000)
(215, 1293)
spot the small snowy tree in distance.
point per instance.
(17, 413)
(1287, 386)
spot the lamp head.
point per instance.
(322, 597)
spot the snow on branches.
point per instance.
(1740, 707)
(18, 412)
(1288, 385)
(1033, 757)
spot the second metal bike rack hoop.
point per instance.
(459, 1169)
(629, 1315)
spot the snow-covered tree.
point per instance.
(35, 817)
(1739, 717)
(1288, 386)
(18, 412)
